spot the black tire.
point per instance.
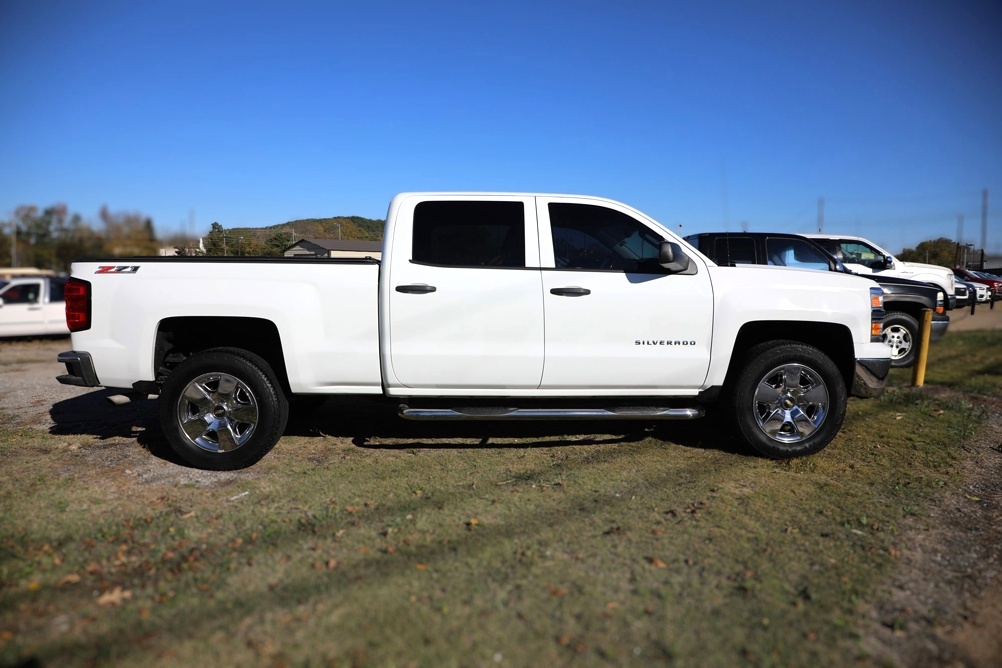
(787, 400)
(222, 409)
(901, 333)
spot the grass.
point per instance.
(417, 545)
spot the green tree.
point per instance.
(275, 244)
(128, 234)
(941, 251)
(76, 240)
(215, 241)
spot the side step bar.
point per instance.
(500, 413)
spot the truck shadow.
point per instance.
(374, 423)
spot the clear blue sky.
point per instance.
(709, 115)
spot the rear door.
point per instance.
(465, 296)
(616, 322)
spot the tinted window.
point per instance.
(860, 253)
(795, 253)
(469, 234)
(854, 252)
(25, 293)
(734, 250)
(594, 237)
(57, 289)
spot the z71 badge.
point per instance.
(117, 269)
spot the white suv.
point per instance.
(865, 257)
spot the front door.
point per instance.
(22, 312)
(616, 322)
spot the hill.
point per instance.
(343, 227)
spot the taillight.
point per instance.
(77, 304)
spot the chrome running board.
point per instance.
(502, 413)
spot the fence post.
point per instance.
(918, 373)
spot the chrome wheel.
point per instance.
(791, 401)
(217, 412)
(899, 339)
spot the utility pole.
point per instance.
(13, 243)
(960, 228)
(984, 219)
(821, 215)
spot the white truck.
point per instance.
(32, 305)
(862, 256)
(484, 306)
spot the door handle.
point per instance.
(416, 289)
(570, 292)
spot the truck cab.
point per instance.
(32, 306)
(862, 256)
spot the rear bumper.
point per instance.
(870, 377)
(79, 369)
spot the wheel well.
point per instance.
(914, 310)
(832, 339)
(179, 338)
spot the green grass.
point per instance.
(422, 547)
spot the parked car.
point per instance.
(862, 256)
(904, 299)
(979, 292)
(993, 283)
(993, 277)
(32, 306)
(965, 294)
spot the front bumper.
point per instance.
(79, 369)
(940, 323)
(870, 377)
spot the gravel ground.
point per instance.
(943, 606)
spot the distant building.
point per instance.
(334, 248)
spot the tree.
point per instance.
(275, 244)
(128, 234)
(941, 251)
(215, 241)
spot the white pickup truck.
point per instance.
(32, 306)
(862, 256)
(486, 306)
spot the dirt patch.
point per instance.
(944, 605)
(984, 317)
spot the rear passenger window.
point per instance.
(57, 290)
(469, 234)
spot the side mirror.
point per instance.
(671, 257)
(889, 262)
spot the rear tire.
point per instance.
(222, 409)
(901, 333)
(788, 400)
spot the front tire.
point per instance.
(901, 333)
(222, 409)
(788, 400)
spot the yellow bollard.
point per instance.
(918, 373)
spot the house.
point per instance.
(334, 248)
